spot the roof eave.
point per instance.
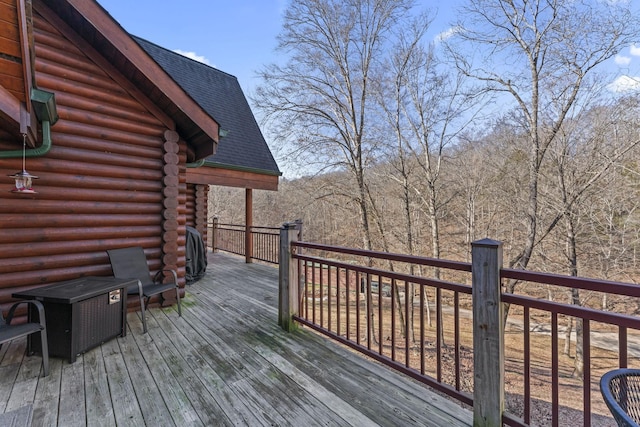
(209, 163)
(129, 51)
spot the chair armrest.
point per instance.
(35, 303)
(175, 276)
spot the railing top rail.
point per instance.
(221, 225)
(253, 227)
(577, 311)
(265, 230)
(465, 289)
(411, 259)
(610, 287)
(618, 288)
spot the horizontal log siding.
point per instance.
(190, 206)
(197, 205)
(102, 185)
(202, 206)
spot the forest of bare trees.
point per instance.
(507, 129)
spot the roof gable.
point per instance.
(243, 147)
(109, 39)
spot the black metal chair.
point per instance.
(9, 332)
(131, 263)
(620, 389)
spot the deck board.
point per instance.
(97, 395)
(225, 362)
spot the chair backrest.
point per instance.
(621, 392)
(130, 263)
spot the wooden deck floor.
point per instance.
(225, 362)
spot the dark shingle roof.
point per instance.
(221, 96)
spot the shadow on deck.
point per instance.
(225, 362)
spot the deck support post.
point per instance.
(248, 237)
(288, 300)
(488, 333)
(213, 231)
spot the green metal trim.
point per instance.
(196, 164)
(32, 152)
(44, 105)
(241, 168)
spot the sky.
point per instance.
(234, 36)
(239, 36)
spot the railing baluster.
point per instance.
(301, 300)
(438, 335)
(586, 357)
(622, 345)
(338, 305)
(554, 370)
(329, 311)
(313, 291)
(407, 328)
(527, 367)
(321, 296)
(368, 299)
(422, 329)
(306, 289)
(393, 319)
(358, 282)
(380, 320)
(346, 298)
(456, 336)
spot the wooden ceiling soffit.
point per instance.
(15, 106)
(232, 178)
(110, 36)
(103, 63)
(10, 108)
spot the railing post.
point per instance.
(488, 333)
(288, 299)
(248, 236)
(213, 233)
(298, 223)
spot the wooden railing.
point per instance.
(231, 238)
(443, 323)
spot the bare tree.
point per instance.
(585, 150)
(392, 96)
(436, 107)
(321, 97)
(539, 54)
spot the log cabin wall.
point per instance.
(197, 205)
(114, 177)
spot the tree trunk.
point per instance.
(575, 293)
(567, 336)
(435, 253)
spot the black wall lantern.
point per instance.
(44, 106)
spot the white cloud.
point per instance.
(622, 60)
(634, 50)
(447, 34)
(193, 56)
(625, 84)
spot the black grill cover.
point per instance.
(196, 254)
